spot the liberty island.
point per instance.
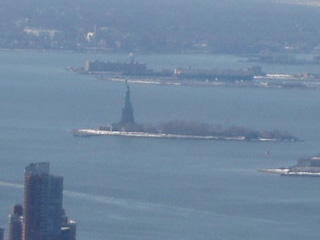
(127, 127)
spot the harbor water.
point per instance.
(153, 189)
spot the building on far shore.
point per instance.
(126, 68)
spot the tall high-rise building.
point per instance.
(1, 234)
(42, 218)
(15, 223)
(68, 230)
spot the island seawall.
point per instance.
(97, 132)
(307, 167)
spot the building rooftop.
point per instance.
(37, 168)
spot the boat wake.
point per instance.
(12, 185)
(135, 205)
(119, 202)
(129, 204)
